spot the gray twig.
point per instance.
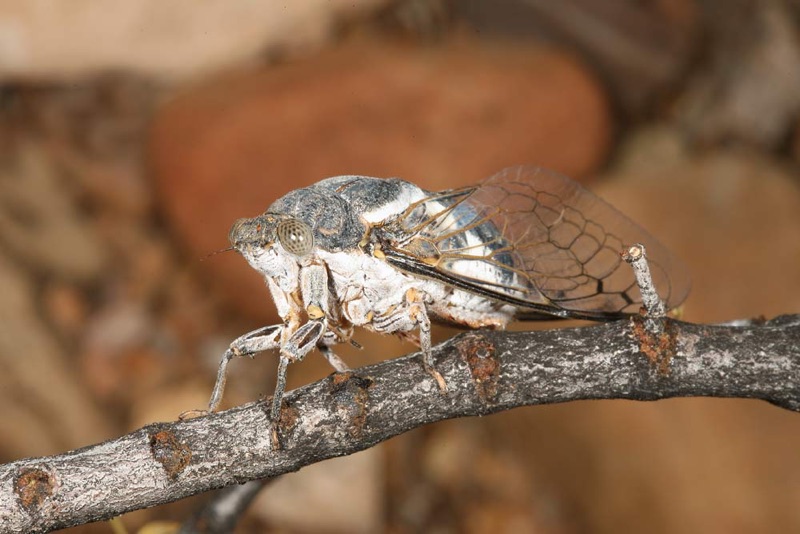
(486, 372)
(636, 256)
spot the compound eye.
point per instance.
(295, 237)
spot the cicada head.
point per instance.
(253, 232)
(294, 229)
(294, 236)
(315, 218)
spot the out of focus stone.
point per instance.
(46, 410)
(641, 49)
(91, 136)
(747, 90)
(440, 117)
(66, 307)
(42, 39)
(166, 403)
(38, 220)
(338, 495)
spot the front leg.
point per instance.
(294, 341)
(314, 291)
(300, 343)
(266, 338)
(295, 349)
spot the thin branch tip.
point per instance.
(636, 256)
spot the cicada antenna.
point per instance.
(220, 251)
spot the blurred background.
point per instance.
(132, 134)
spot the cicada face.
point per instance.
(273, 245)
(268, 232)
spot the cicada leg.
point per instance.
(336, 362)
(418, 313)
(413, 313)
(262, 339)
(295, 349)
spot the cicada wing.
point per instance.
(535, 239)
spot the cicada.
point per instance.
(388, 256)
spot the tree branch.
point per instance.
(486, 372)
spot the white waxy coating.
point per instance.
(366, 284)
(409, 194)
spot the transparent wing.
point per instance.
(534, 239)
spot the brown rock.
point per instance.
(39, 222)
(641, 49)
(325, 507)
(45, 407)
(438, 116)
(746, 89)
(174, 40)
(66, 307)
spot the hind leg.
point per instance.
(413, 314)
